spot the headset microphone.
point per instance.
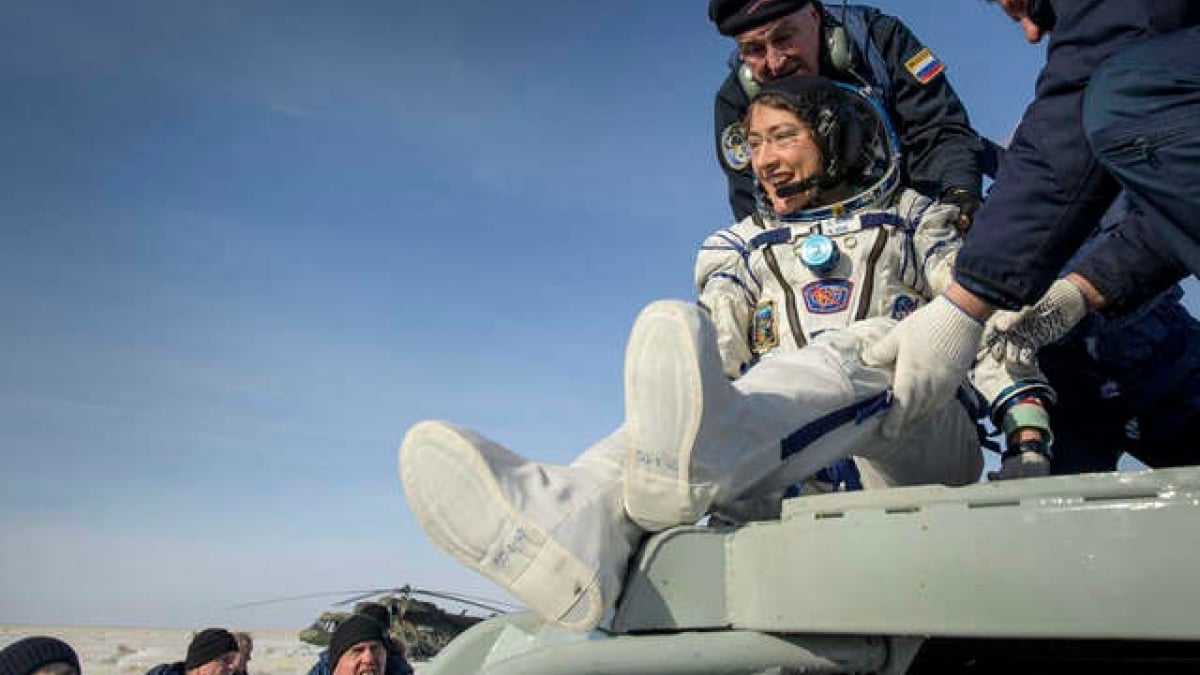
(793, 189)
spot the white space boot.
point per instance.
(697, 440)
(554, 536)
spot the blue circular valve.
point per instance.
(819, 254)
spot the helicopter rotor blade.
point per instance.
(405, 590)
(486, 604)
(362, 596)
(463, 600)
(463, 597)
(291, 598)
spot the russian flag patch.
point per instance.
(924, 66)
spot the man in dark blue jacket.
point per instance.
(861, 46)
(1117, 106)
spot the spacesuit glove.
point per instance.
(1017, 336)
(1029, 460)
(1026, 426)
(932, 349)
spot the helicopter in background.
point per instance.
(420, 627)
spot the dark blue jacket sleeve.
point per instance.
(1050, 191)
(935, 132)
(321, 667)
(1131, 265)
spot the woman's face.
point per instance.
(782, 151)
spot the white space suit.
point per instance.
(764, 300)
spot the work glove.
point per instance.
(1017, 336)
(932, 349)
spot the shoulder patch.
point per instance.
(763, 334)
(827, 296)
(924, 66)
(734, 151)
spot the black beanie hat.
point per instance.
(358, 628)
(209, 644)
(735, 16)
(375, 611)
(26, 656)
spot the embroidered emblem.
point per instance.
(827, 296)
(734, 151)
(902, 306)
(763, 335)
(924, 66)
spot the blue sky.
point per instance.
(247, 244)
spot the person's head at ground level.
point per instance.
(775, 38)
(39, 655)
(815, 144)
(213, 651)
(245, 649)
(359, 647)
(383, 615)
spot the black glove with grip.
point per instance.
(967, 202)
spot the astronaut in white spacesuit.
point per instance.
(758, 387)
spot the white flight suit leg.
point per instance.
(698, 440)
(943, 449)
(554, 536)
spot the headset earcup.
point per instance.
(837, 43)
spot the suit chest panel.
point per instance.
(796, 303)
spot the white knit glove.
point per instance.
(1017, 336)
(933, 348)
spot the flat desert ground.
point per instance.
(133, 651)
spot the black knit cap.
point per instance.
(26, 656)
(209, 644)
(358, 628)
(375, 611)
(735, 16)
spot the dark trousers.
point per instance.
(1132, 385)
